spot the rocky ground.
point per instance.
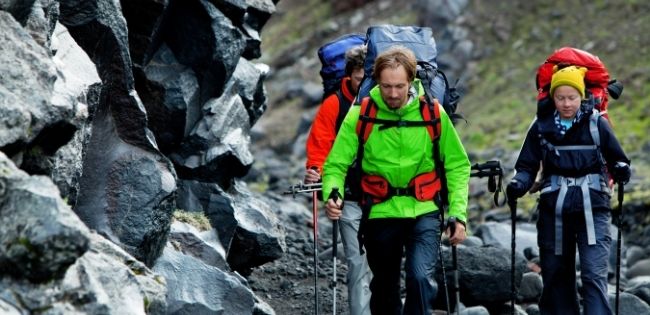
(287, 284)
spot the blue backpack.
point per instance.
(332, 58)
(420, 40)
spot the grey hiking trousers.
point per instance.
(358, 277)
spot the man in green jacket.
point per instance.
(398, 156)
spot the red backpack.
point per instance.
(597, 80)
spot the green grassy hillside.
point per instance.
(500, 100)
(301, 26)
(515, 37)
(290, 42)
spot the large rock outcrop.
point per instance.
(51, 261)
(126, 183)
(41, 236)
(114, 101)
(29, 121)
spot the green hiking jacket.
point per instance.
(399, 154)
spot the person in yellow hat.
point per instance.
(576, 148)
(569, 83)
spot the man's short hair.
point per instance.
(394, 57)
(354, 58)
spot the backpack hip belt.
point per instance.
(422, 187)
(590, 181)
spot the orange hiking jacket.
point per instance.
(323, 129)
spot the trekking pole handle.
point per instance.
(451, 223)
(621, 191)
(513, 218)
(512, 204)
(492, 184)
(489, 168)
(494, 172)
(335, 194)
(619, 219)
(335, 223)
(335, 246)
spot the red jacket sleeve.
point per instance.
(322, 133)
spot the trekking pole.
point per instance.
(335, 228)
(619, 216)
(442, 263)
(313, 188)
(454, 266)
(315, 224)
(513, 219)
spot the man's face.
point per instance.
(394, 86)
(355, 79)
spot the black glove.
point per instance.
(621, 172)
(515, 189)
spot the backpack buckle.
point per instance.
(402, 192)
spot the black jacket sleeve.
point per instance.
(530, 157)
(609, 145)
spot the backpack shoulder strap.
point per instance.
(593, 127)
(431, 113)
(344, 106)
(595, 135)
(367, 115)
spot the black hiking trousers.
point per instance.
(560, 293)
(385, 242)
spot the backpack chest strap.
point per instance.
(368, 118)
(403, 123)
(593, 131)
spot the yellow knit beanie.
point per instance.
(572, 76)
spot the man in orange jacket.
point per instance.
(319, 143)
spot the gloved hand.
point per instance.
(621, 172)
(515, 189)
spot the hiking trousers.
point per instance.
(385, 241)
(358, 277)
(560, 294)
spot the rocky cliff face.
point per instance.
(113, 114)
